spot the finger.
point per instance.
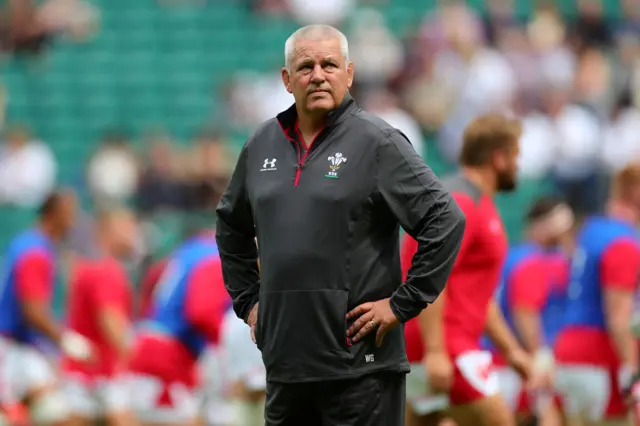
(360, 322)
(380, 335)
(366, 329)
(360, 309)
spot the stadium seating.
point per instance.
(166, 65)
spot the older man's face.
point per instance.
(319, 76)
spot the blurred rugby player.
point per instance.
(449, 332)
(187, 309)
(532, 296)
(100, 308)
(25, 314)
(597, 354)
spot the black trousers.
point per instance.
(376, 399)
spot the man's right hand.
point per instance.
(252, 320)
(439, 370)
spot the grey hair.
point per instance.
(314, 32)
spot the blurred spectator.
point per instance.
(77, 19)
(576, 157)
(621, 143)
(592, 82)
(377, 55)
(631, 21)
(538, 145)
(255, 98)
(112, 172)
(385, 105)
(160, 186)
(591, 28)
(27, 27)
(500, 15)
(330, 12)
(27, 169)
(555, 61)
(482, 77)
(626, 73)
(210, 166)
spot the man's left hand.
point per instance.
(372, 316)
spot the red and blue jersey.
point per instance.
(28, 275)
(607, 256)
(534, 280)
(190, 299)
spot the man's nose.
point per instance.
(317, 76)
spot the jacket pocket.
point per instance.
(302, 334)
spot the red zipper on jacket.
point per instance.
(306, 153)
(299, 148)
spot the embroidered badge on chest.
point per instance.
(335, 162)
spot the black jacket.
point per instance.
(327, 224)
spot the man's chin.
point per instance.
(319, 106)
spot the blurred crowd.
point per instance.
(160, 176)
(574, 81)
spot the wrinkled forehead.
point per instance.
(317, 50)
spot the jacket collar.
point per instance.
(289, 117)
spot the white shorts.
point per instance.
(242, 359)
(98, 397)
(587, 391)
(217, 410)
(474, 379)
(23, 369)
(183, 405)
(511, 386)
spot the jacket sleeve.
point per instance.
(428, 213)
(235, 233)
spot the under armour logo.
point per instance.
(268, 165)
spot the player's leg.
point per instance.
(585, 392)
(510, 387)
(83, 408)
(488, 411)
(248, 407)
(12, 409)
(475, 394)
(216, 408)
(613, 422)
(155, 402)
(423, 408)
(550, 415)
(114, 396)
(244, 372)
(248, 396)
(37, 385)
(432, 419)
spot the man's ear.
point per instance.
(286, 79)
(350, 74)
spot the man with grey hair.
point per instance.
(325, 187)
